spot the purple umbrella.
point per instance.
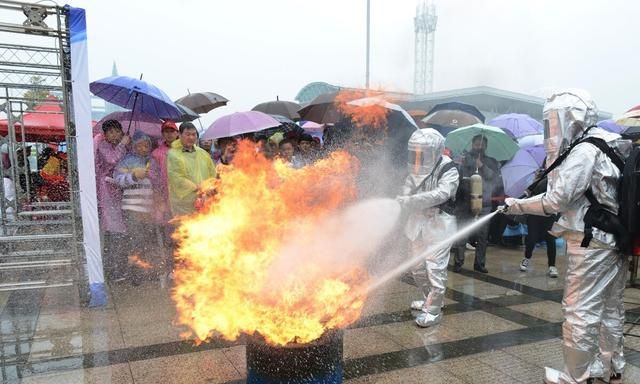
(538, 153)
(239, 123)
(531, 141)
(139, 121)
(517, 125)
(611, 126)
(520, 172)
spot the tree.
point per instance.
(35, 96)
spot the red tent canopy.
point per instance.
(44, 124)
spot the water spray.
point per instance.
(460, 234)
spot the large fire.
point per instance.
(371, 115)
(234, 269)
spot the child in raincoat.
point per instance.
(138, 175)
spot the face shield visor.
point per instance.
(425, 150)
(566, 117)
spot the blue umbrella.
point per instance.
(611, 126)
(520, 171)
(136, 95)
(517, 125)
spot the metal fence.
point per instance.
(40, 224)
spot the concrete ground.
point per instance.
(503, 327)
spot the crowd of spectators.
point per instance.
(142, 185)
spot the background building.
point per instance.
(490, 101)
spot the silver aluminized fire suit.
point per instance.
(424, 191)
(596, 275)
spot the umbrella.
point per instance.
(239, 123)
(202, 102)
(288, 109)
(530, 141)
(287, 126)
(139, 121)
(135, 95)
(314, 129)
(400, 128)
(311, 126)
(187, 114)
(611, 126)
(499, 145)
(281, 119)
(417, 113)
(449, 116)
(632, 133)
(517, 125)
(392, 108)
(322, 109)
(288, 131)
(631, 118)
(520, 172)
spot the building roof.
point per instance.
(491, 101)
(315, 89)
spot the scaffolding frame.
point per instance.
(41, 243)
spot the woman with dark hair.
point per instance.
(110, 149)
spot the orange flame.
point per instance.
(135, 260)
(230, 275)
(372, 115)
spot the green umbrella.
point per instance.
(499, 145)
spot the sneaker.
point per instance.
(524, 264)
(457, 268)
(417, 305)
(470, 247)
(480, 269)
(553, 272)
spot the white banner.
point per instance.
(85, 153)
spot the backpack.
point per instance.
(627, 222)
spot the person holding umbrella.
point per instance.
(477, 162)
(110, 148)
(187, 166)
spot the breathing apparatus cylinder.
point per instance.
(475, 184)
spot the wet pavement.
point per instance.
(503, 327)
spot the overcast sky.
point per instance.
(251, 51)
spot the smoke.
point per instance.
(338, 244)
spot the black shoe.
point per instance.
(481, 269)
(457, 268)
(616, 378)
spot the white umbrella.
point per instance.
(369, 101)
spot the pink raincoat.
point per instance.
(107, 157)
(163, 212)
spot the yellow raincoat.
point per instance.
(186, 171)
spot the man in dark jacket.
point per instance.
(476, 161)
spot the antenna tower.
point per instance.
(425, 28)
